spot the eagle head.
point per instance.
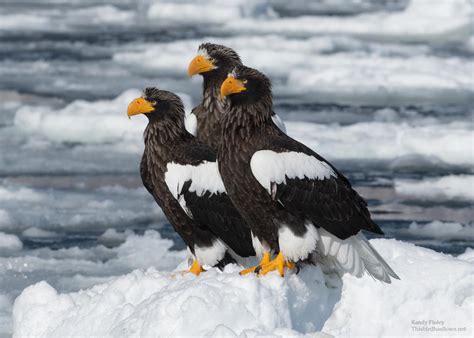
(156, 103)
(246, 85)
(213, 57)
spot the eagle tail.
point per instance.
(374, 264)
(354, 255)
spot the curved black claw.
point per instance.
(257, 269)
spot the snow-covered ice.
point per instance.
(9, 244)
(327, 69)
(445, 188)
(379, 140)
(384, 138)
(73, 268)
(156, 302)
(445, 230)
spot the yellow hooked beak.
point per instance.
(139, 106)
(200, 64)
(231, 85)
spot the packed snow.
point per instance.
(156, 302)
(73, 268)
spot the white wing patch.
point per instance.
(269, 166)
(204, 178)
(279, 123)
(190, 123)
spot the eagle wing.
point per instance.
(194, 180)
(307, 185)
(190, 120)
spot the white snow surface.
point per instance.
(73, 268)
(153, 302)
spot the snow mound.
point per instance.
(155, 303)
(468, 255)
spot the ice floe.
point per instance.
(445, 230)
(444, 188)
(156, 302)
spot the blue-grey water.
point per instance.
(391, 109)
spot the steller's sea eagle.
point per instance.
(181, 174)
(296, 203)
(213, 62)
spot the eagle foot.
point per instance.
(278, 264)
(196, 268)
(265, 260)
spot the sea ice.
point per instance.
(9, 244)
(445, 188)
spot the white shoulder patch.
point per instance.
(279, 123)
(190, 123)
(269, 166)
(204, 178)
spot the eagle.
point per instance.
(182, 176)
(213, 62)
(297, 204)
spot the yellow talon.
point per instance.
(196, 268)
(279, 264)
(265, 260)
(290, 265)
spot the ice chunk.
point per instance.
(38, 233)
(442, 230)
(445, 188)
(387, 141)
(9, 243)
(112, 237)
(468, 255)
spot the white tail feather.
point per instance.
(354, 255)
